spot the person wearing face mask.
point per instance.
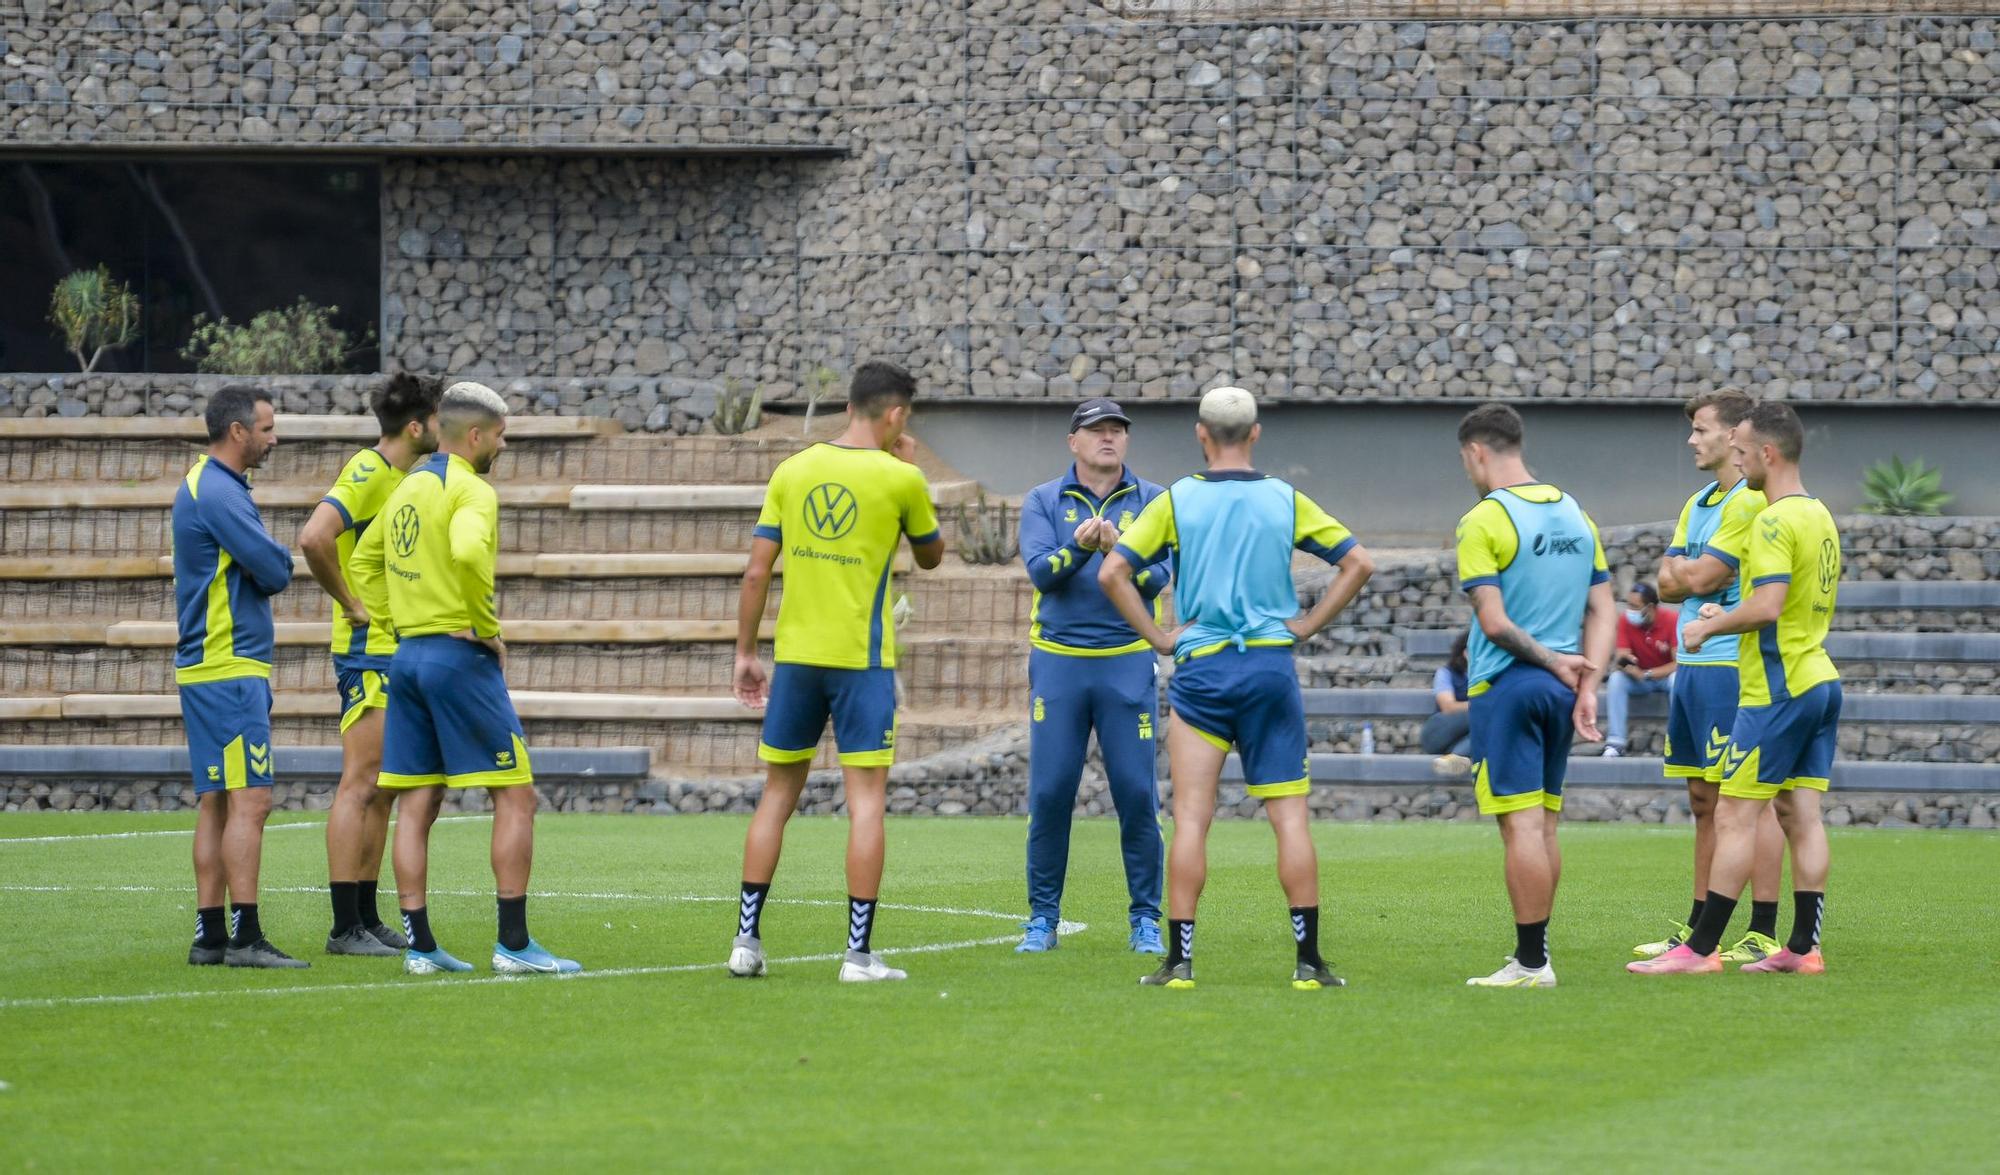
(1644, 662)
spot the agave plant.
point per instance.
(737, 409)
(1912, 490)
(983, 534)
(94, 312)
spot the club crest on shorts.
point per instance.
(1146, 726)
(1039, 711)
(831, 510)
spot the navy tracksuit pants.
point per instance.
(1117, 696)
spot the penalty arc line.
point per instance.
(610, 973)
(50, 840)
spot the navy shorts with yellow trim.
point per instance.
(1249, 698)
(361, 689)
(861, 702)
(1699, 719)
(1783, 745)
(1522, 726)
(228, 733)
(450, 719)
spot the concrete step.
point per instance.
(170, 761)
(951, 598)
(682, 748)
(126, 531)
(935, 671)
(1351, 770)
(312, 449)
(1913, 742)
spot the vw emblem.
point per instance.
(403, 530)
(831, 510)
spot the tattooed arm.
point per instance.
(1569, 668)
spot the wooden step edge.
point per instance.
(717, 497)
(159, 495)
(51, 632)
(529, 704)
(166, 634)
(291, 426)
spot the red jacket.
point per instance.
(1654, 646)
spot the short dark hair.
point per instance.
(1777, 424)
(1647, 592)
(1731, 405)
(879, 385)
(235, 404)
(1497, 426)
(404, 398)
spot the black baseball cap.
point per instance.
(1096, 410)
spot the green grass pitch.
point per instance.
(117, 1056)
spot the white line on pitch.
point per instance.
(46, 840)
(1066, 927)
(448, 985)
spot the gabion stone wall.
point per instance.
(1050, 200)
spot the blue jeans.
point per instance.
(1116, 696)
(1619, 691)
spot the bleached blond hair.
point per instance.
(1230, 413)
(466, 398)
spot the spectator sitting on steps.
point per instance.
(1448, 733)
(1644, 662)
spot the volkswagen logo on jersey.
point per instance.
(1829, 564)
(831, 510)
(403, 530)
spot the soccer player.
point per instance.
(1234, 530)
(1533, 564)
(1700, 568)
(1787, 719)
(357, 826)
(837, 511)
(1087, 669)
(226, 569)
(426, 569)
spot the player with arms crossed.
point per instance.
(1700, 568)
(837, 511)
(226, 569)
(1788, 717)
(357, 825)
(426, 568)
(1234, 530)
(1532, 562)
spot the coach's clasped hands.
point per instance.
(1096, 534)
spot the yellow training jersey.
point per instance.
(837, 515)
(364, 484)
(1793, 542)
(427, 563)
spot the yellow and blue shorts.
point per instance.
(1784, 745)
(861, 702)
(1523, 722)
(1699, 719)
(450, 719)
(362, 688)
(1249, 698)
(228, 733)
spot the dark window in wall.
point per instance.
(223, 239)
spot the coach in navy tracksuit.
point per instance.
(1088, 670)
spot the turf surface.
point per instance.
(115, 1055)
